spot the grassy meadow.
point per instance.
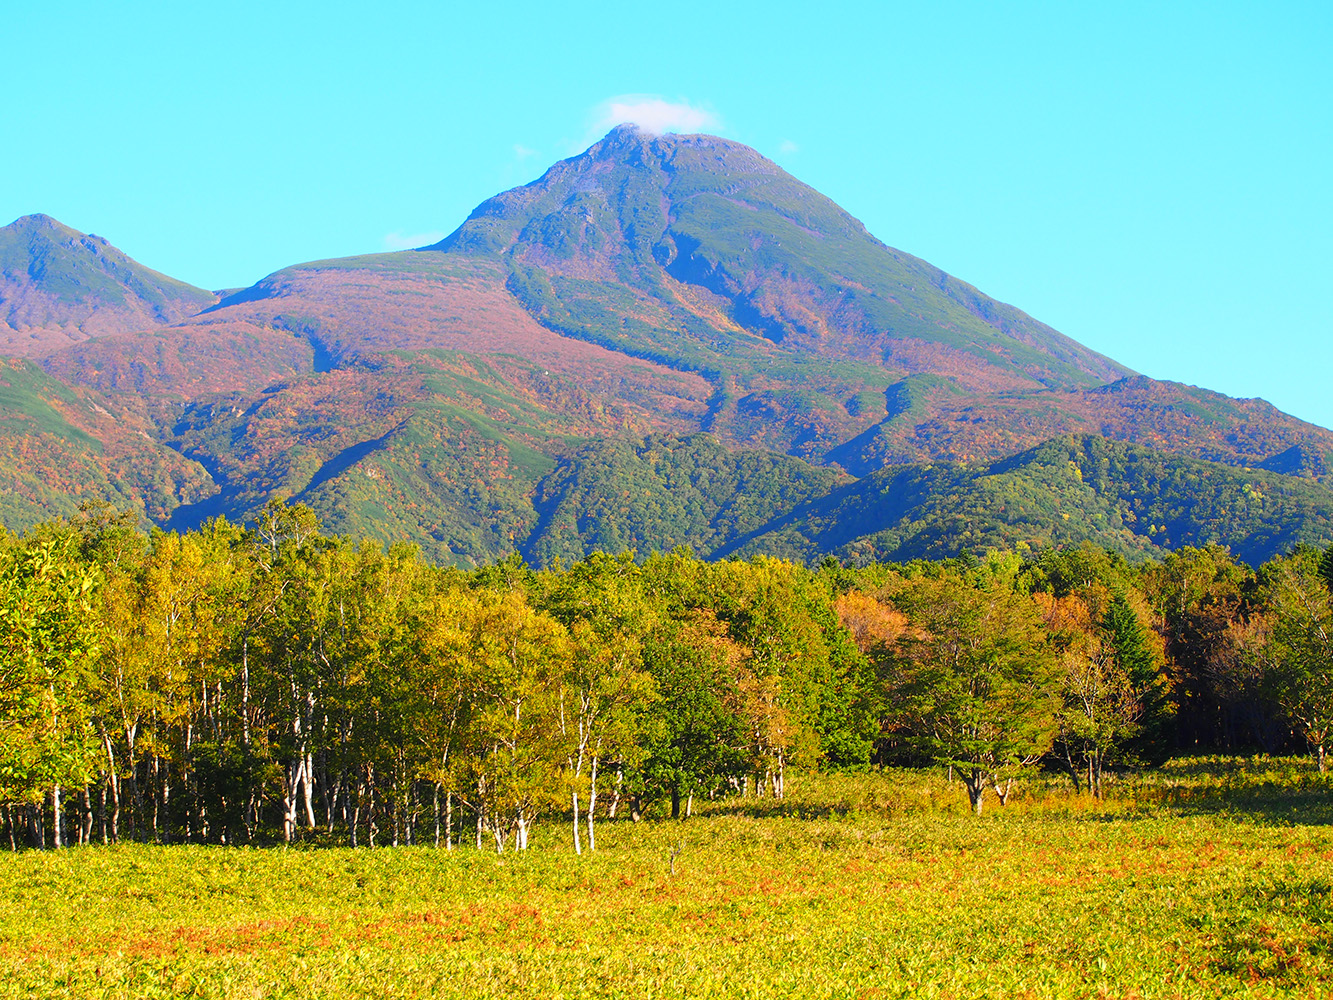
(1208, 877)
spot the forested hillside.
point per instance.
(1134, 500)
(479, 474)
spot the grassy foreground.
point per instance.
(1208, 878)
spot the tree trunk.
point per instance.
(309, 791)
(115, 808)
(592, 805)
(675, 801)
(245, 692)
(164, 781)
(615, 794)
(1068, 762)
(578, 846)
(976, 789)
(1323, 764)
(289, 801)
(153, 792)
(86, 830)
(57, 841)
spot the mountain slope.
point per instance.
(60, 446)
(663, 492)
(441, 448)
(59, 286)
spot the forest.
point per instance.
(273, 685)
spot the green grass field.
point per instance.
(1206, 878)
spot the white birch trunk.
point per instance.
(615, 794)
(574, 797)
(592, 805)
(309, 789)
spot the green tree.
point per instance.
(517, 746)
(1300, 645)
(1099, 711)
(48, 643)
(691, 736)
(973, 681)
(1137, 663)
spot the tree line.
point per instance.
(251, 685)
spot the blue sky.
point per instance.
(1151, 179)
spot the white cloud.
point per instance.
(410, 241)
(787, 146)
(523, 152)
(655, 114)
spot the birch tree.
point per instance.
(517, 748)
(605, 690)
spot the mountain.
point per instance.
(666, 491)
(59, 286)
(690, 278)
(464, 395)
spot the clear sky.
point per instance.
(1151, 179)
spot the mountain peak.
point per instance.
(693, 232)
(39, 224)
(58, 285)
(628, 139)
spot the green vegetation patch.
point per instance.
(850, 887)
(25, 397)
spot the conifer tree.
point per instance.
(1141, 666)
